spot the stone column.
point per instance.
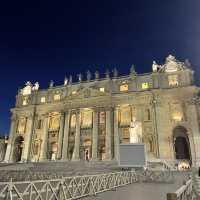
(44, 142)
(76, 153)
(66, 136)
(60, 135)
(28, 136)
(95, 134)
(194, 125)
(116, 133)
(10, 145)
(108, 155)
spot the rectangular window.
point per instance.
(43, 100)
(102, 89)
(173, 80)
(145, 85)
(56, 97)
(123, 87)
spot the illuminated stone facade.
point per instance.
(90, 118)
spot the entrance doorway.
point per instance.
(181, 144)
(18, 149)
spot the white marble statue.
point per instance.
(155, 66)
(66, 81)
(135, 131)
(36, 86)
(27, 89)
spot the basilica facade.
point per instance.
(89, 119)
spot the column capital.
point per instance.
(14, 117)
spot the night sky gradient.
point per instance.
(44, 40)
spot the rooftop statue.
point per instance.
(65, 81)
(51, 84)
(132, 70)
(27, 89)
(107, 73)
(89, 75)
(170, 58)
(36, 86)
(96, 75)
(115, 72)
(70, 79)
(155, 66)
(79, 77)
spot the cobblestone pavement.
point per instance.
(140, 191)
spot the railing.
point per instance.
(66, 188)
(185, 192)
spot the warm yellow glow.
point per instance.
(86, 118)
(123, 87)
(102, 89)
(56, 97)
(74, 92)
(25, 102)
(54, 121)
(21, 125)
(43, 100)
(173, 80)
(145, 85)
(177, 116)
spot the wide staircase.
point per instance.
(51, 170)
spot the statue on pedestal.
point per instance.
(135, 131)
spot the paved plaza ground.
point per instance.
(141, 191)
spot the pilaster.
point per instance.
(95, 134)
(76, 153)
(66, 136)
(116, 133)
(109, 112)
(28, 136)
(60, 135)
(43, 154)
(10, 145)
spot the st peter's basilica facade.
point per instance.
(88, 119)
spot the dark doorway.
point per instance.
(181, 148)
(181, 144)
(18, 149)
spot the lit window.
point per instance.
(56, 97)
(177, 116)
(123, 87)
(74, 92)
(24, 102)
(173, 80)
(43, 100)
(102, 89)
(145, 85)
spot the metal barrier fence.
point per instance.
(185, 192)
(66, 188)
